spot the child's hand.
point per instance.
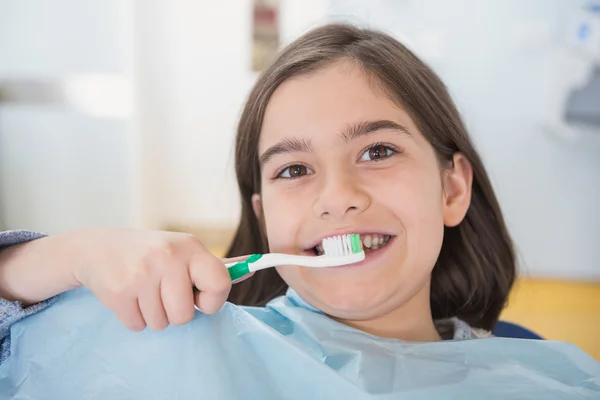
(147, 278)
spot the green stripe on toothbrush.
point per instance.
(242, 268)
(239, 270)
(355, 240)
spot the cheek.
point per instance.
(414, 193)
(421, 204)
(283, 217)
(416, 201)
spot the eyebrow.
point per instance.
(289, 145)
(368, 127)
(351, 132)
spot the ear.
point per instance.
(256, 205)
(457, 181)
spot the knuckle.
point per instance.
(163, 252)
(157, 259)
(188, 239)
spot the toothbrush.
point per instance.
(339, 250)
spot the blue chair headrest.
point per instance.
(510, 330)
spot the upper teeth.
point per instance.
(373, 241)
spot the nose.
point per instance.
(340, 196)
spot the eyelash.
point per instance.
(392, 148)
(285, 168)
(388, 146)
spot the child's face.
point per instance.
(346, 159)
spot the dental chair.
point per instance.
(510, 330)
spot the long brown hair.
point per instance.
(476, 266)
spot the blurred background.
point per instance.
(123, 113)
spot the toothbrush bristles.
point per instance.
(342, 245)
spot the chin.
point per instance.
(361, 298)
(349, 301)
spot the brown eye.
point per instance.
(295, 171)
(298, 170)
(377, 152)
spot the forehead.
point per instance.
(324, 103)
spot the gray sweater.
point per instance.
(13, 311)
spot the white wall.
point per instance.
(194, 73)
(61, 168)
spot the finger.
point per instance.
(196, 292)
(152, 309)
(210, 302)
(211, 278)
(178, 297)
(129, 314)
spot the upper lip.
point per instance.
(361, 231)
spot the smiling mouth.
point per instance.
(370, 242)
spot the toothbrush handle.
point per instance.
(275, 259)
(257, 262)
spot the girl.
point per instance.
(347, 132)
